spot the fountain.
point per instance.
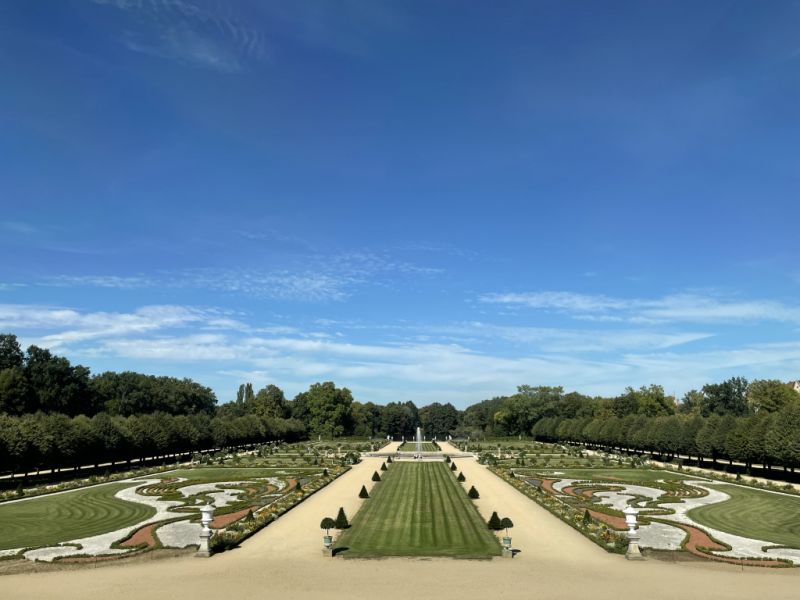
(419, 442)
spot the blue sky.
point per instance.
(434, 201)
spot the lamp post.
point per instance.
(206, 516)
(633, 552)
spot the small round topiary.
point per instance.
(327, 524)
(506, 523)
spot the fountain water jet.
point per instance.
(419, 441)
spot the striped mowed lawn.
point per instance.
(419, 509)
(412, 447)
(58, 518)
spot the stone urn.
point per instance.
(327, 540)
(506, 542)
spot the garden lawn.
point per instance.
(212, 474)
(412, 447)
(58, 518)
(612, 475)
(754, 514)
(419, 509)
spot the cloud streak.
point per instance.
(672, 308)
(191, 34)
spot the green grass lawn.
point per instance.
(754, 514)
(419, 509)
(412, 447)
(61, 517)
(621, 475)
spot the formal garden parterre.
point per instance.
(678, 511)
(161, 510)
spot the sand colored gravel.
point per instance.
(285, 560)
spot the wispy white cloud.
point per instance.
(102, 281)
(688, 307)
(18, 227)
(316, 278)
(208, 36)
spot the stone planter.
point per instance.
(327, 540)
(506, 542)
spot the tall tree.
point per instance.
(11, 356)
(769, 395)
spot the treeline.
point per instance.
(37, 380)
(328, 411)
(750, 422)
(58, 441)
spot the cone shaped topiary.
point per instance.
(461, 477)
(494, 522)
(453, 466)
(447, 459)
(473, 493)
(375, 476)
(389, 459)
(341, 520)
(383, 466)
(363, 493)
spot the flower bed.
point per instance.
(600, 534)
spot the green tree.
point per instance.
(328, 409)
(14, 391)
(269, 402)
(438, 420)
(726, 398)
(11, 356)
(769, 395)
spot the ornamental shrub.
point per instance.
(327, 524)
(473, 493)
(587, 518)
(389, 459)
(506, 523)
(383, 466)
(324, 472)
(341, 520)
(453, 466)
(494, 522)
(447, 459)
(363, 493)
(461, 477)
(375, 476)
